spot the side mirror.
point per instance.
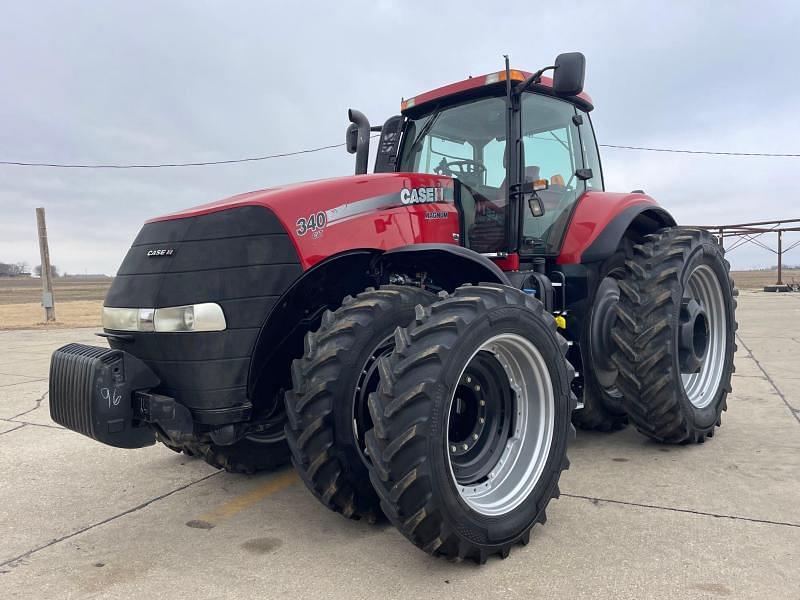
(351, 138)
(569, 74)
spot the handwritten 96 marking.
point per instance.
(113, 396)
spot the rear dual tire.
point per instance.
(462, 505)
(675, 335)
(603, 408)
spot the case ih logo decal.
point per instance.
(161, 252)
(406, 196)
(421, 195)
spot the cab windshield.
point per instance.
(468, 142)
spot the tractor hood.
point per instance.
(243, 253)
(328, 216)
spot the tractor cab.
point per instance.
(519, 146)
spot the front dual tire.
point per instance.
(327, 407)
(471, 422)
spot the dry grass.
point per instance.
(79, 301)
(30, 315)
(756, 280)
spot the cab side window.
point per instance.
(590, 153)
(550, 155)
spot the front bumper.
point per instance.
(105, 394)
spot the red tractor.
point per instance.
(418, 341)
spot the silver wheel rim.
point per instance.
(366, 384)
(521, 463)
(703, 286)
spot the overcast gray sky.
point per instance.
(133, 82)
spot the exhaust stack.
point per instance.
(358, 139)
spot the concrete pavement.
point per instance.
(635, 519)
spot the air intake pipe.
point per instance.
(358, 139)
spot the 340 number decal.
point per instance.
(314, 223)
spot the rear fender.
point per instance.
(600, 223)
(602, 219)
(635, 221)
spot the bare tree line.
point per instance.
(21, 269)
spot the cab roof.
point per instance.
(468, 87)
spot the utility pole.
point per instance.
(780, 258)
(47, 276)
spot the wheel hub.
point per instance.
(603, 318)
(692, 336)
(480, 418)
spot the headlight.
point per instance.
(194, 317)
(128, 319)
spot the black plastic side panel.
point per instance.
(240, 258)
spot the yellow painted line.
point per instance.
(248, 499)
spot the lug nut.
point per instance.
(482, 420)
(483, 402)
(465, 447)
(453, 449)
(477, 388)
(469, 379)
(474, 436)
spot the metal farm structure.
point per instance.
(735, 236)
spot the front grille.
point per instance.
(242, 259)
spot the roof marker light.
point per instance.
(407, 103)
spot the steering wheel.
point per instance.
(473, 169)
